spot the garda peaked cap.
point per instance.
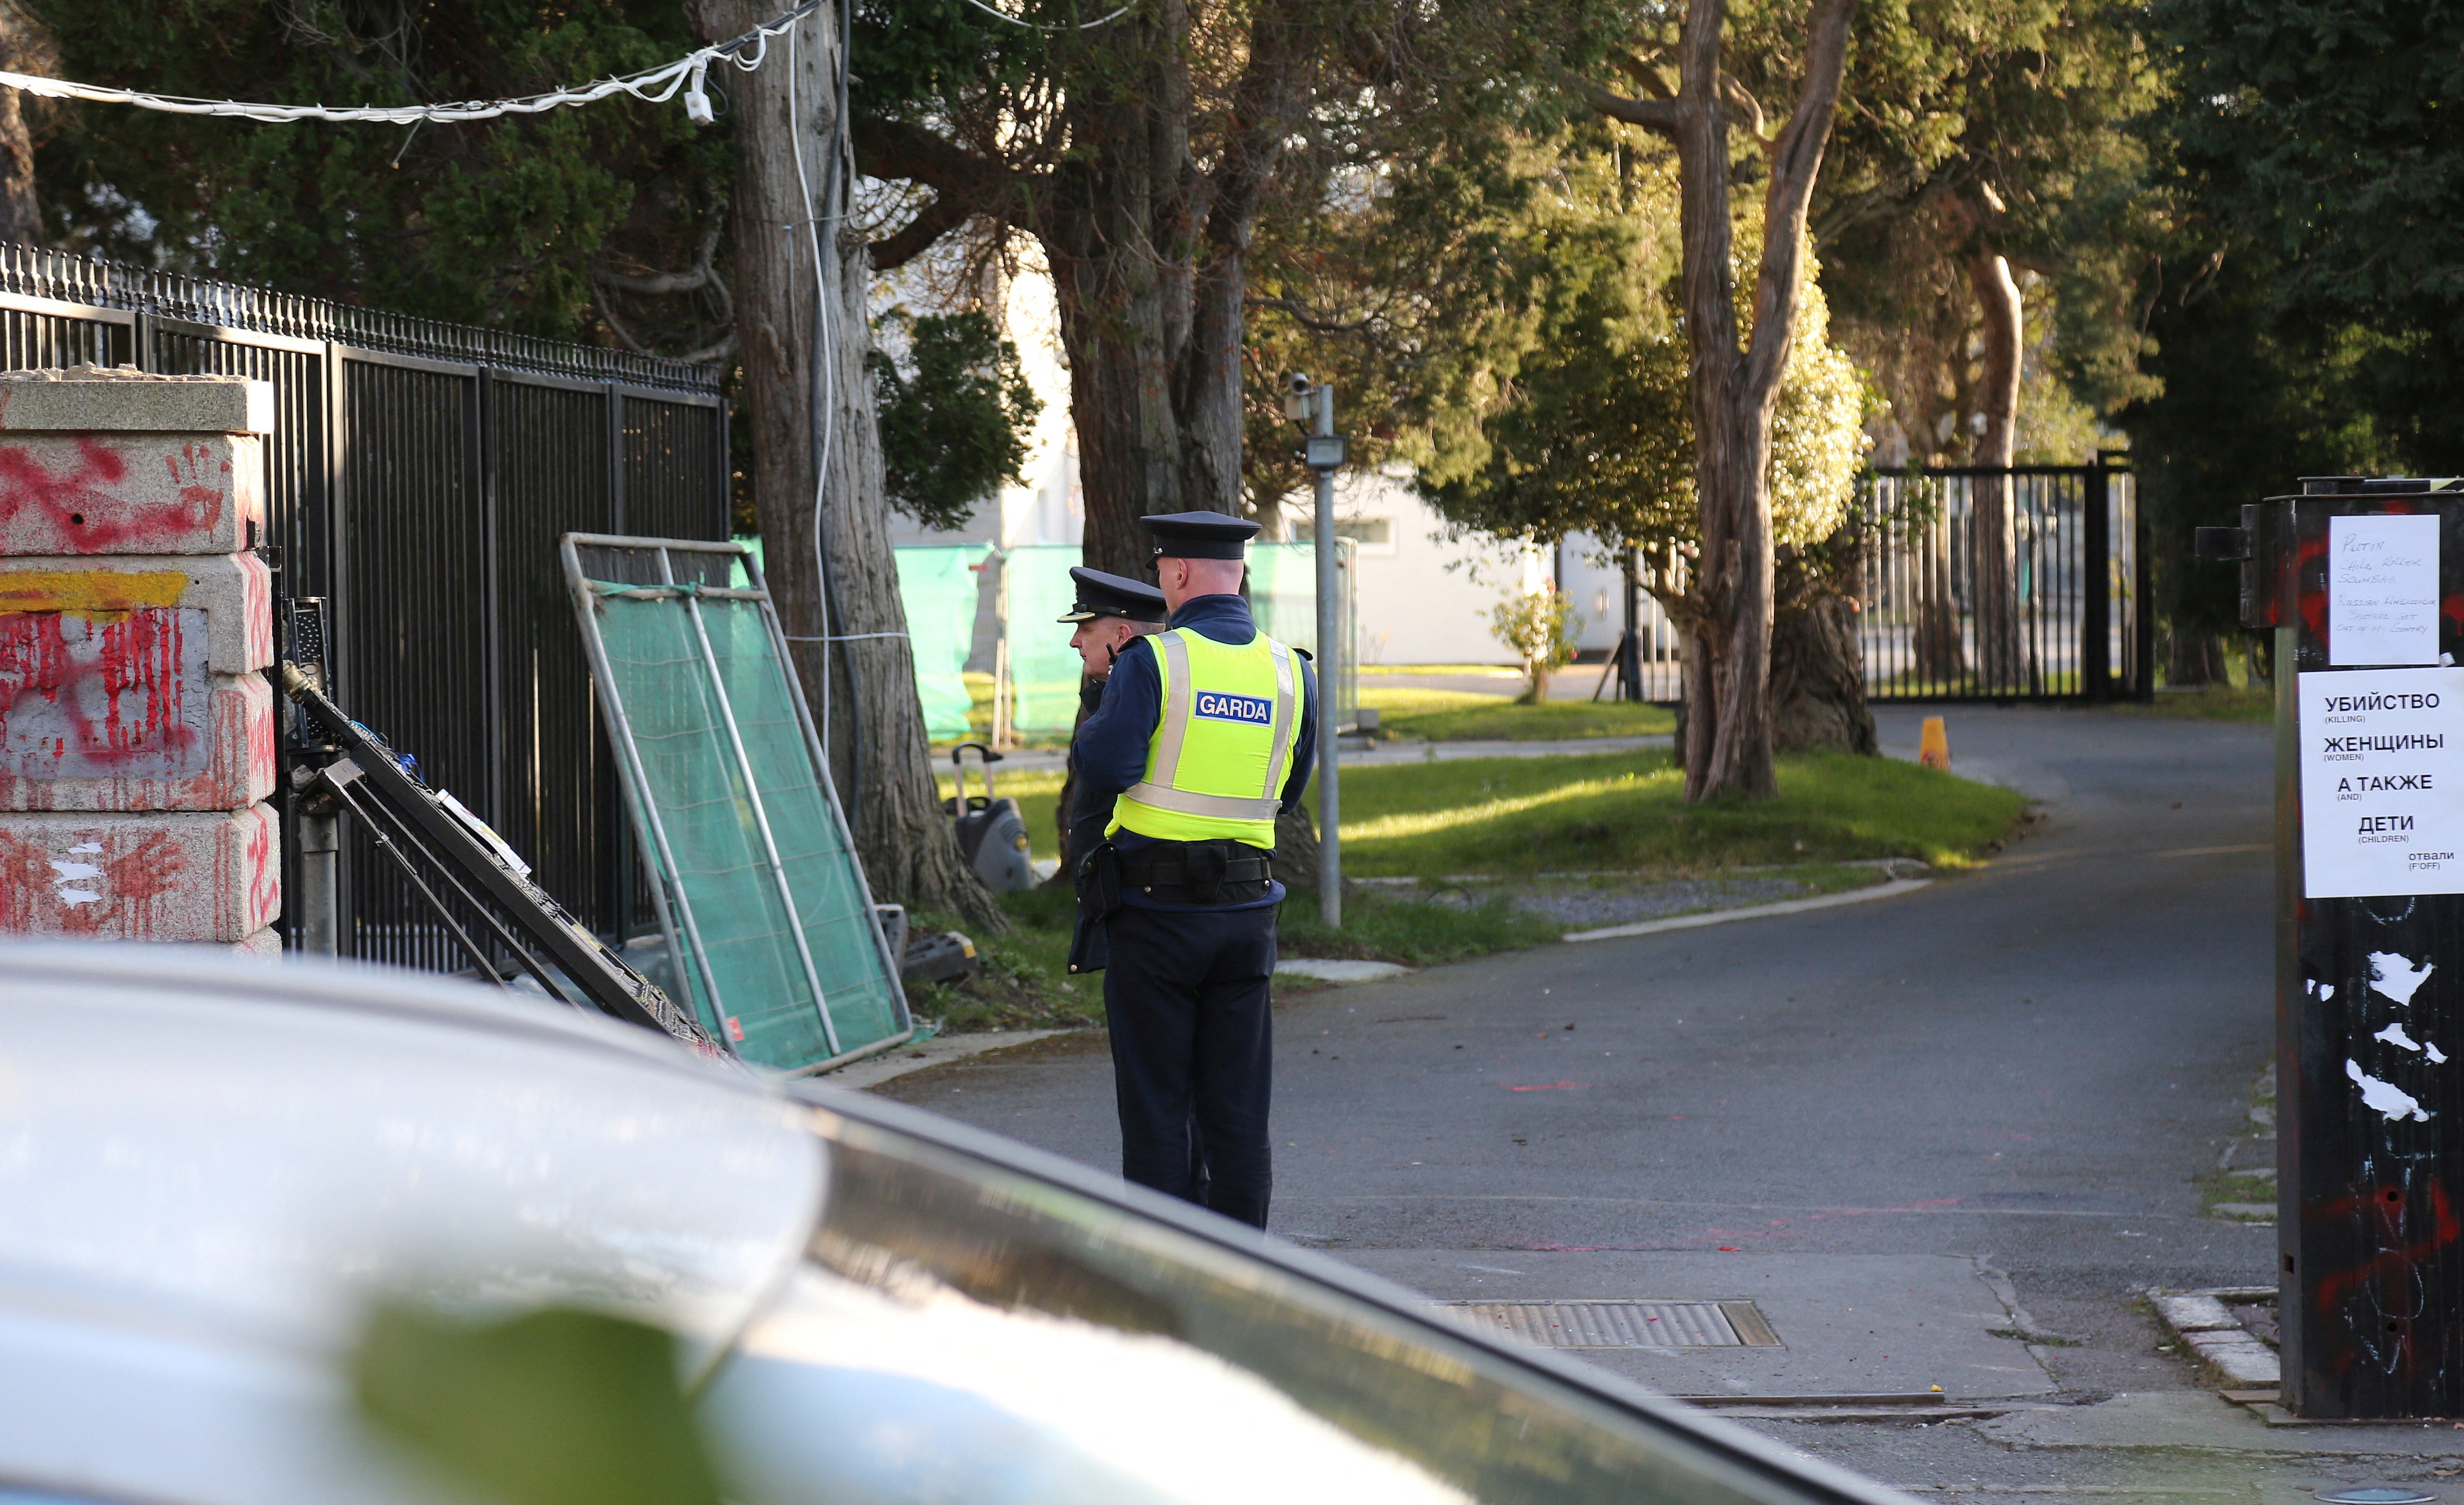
(1198, 535)
(1100, 594)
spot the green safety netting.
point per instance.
(723, 777)
(938, 585)
(1044, 669)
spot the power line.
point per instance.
(1083, 26)
(655, 85)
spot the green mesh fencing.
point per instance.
(1283, 600)
(1044, 669)
(692, 679)
(938, 585)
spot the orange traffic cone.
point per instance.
(1933, 744)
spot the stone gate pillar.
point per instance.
(136, 722)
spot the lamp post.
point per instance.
(1323, 454)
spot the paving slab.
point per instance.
(2199, 1421)
(1849, 1324)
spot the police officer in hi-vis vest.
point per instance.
(1206, 732)
(1105, 615)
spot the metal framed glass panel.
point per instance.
(768, 920)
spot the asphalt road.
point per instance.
(1918, 1133)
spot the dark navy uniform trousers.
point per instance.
(1193, 1043)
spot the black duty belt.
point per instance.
(1221, 872)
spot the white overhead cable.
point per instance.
(1083, 26)
(657, 85)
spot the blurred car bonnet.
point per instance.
(209, 1169)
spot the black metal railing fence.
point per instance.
(418, 477)
(1974, 583)
(2024, 582)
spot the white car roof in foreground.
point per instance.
(210, 1165)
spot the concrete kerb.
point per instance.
(937, 1051)
(1891, 888)
(2202, 1320)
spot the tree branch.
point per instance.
(1663, 116)
(968, 183)
(1316, 322)
(1742, 101)
(1645, 69)
(944, 214)
(1796, 161)
(668, 282)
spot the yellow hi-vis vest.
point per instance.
(1223, 745)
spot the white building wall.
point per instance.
(1423, 598)
(1051, 507)
(1598, 593)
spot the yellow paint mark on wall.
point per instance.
(89, 590)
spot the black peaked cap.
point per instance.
(1198, 535)
(1100, 594)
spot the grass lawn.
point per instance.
(1458, 716)
(1625, 811)
(1484, 717)
(1510, 676)
(2211, 703)
(1026, 985)
(1603, 812)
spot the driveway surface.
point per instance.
(1944, 1140)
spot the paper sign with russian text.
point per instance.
(2382, 788)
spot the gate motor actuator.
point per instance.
(2362, 582)
(442, 849)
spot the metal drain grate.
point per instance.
(1623, 1324)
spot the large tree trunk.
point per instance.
(878, 744)
(1941, 656)
(1735, 391)
(1149, 266)
(1817, 676)
(2001, 655)
(864, 694)
(24, 48)
(2192, 658)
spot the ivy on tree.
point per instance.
(954, 421)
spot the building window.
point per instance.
(1373, 535)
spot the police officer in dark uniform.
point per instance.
(1205, 733)
(1108, 612)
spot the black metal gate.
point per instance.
(1983, 583)
(418, 477)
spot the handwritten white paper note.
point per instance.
(2382, 590)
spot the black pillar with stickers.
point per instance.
(2361, 581)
